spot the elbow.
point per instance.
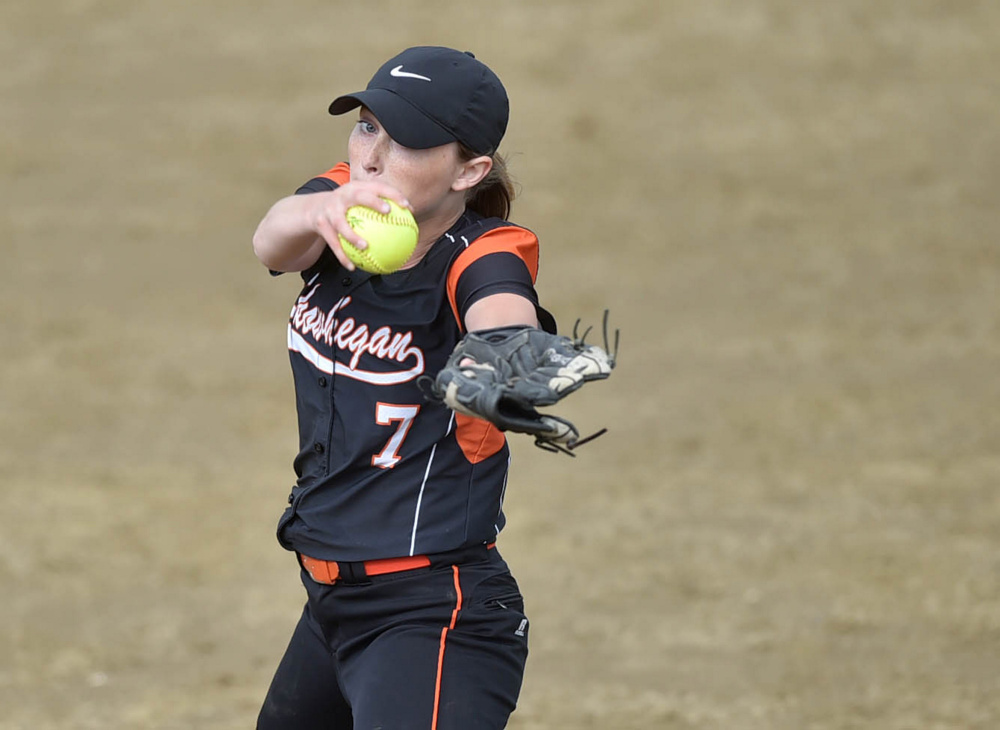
(258, 245)
(283, 243)
(261, 248)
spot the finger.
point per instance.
(339, 227)
(351, 235)
(393, 193)
(326, 230)
(401, 200)
(598, 363)
(374, 196)
(560, 430)
(376, 202)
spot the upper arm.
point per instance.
(500, 310)
(491, 283)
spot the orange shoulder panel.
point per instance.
(339, 173)
(509, 239)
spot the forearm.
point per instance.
(294, 232)
(286, 239)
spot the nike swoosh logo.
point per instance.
(400, 74)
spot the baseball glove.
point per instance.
(504, 374)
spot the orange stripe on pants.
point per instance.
(444, 635)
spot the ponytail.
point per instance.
(493, 196)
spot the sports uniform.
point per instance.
(413, 619)
(359, 342)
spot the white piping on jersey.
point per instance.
(503, 492)
(315, 276)
(420, 497)
(298, 343)
(452, 239)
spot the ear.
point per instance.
(472, 173)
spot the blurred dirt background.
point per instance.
(790, 209)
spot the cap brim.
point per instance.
(404, 122)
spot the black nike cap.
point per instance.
(429, 96)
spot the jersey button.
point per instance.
(322, 381)
(346, 281)
(318, 447)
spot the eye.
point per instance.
(366, 126)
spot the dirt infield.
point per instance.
(790, 209)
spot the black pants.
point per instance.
(440, 648)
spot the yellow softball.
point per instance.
(391, 237)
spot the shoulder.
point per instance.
(332, 179)
(488, 236)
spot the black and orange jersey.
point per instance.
(381, 471)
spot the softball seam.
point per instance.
(374, 215)
(368, 259)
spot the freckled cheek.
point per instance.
(417, 180)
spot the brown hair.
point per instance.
(493, 196)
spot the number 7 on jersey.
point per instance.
(385, 415)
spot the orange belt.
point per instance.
(328, 571)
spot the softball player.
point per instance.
(412, 618)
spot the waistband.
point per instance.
(329, 572)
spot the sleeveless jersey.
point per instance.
(381, 471)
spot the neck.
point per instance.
(431, 229)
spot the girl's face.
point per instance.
(425, 176)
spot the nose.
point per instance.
(373, 159)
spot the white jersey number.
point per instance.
(385, 415)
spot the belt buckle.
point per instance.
(321, 571)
